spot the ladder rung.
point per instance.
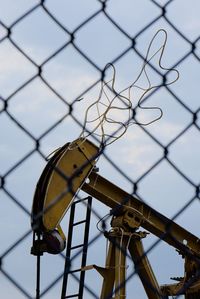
(79, 222)
(72, 296)
(74, 271)
(77, 246)
(80, 200)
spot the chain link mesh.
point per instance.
(40, 110)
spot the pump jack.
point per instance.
(72, 168)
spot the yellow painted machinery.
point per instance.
(71, 168)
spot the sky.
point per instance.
(36, 107)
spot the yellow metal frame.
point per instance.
(60, 181)
(65, 174)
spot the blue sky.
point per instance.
(36, 107)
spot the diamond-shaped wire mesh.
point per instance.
(53, 53)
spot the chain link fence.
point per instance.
(53, 55)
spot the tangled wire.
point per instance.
(118, 102)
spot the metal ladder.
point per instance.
(70, 248)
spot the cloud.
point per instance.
(15, 69)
